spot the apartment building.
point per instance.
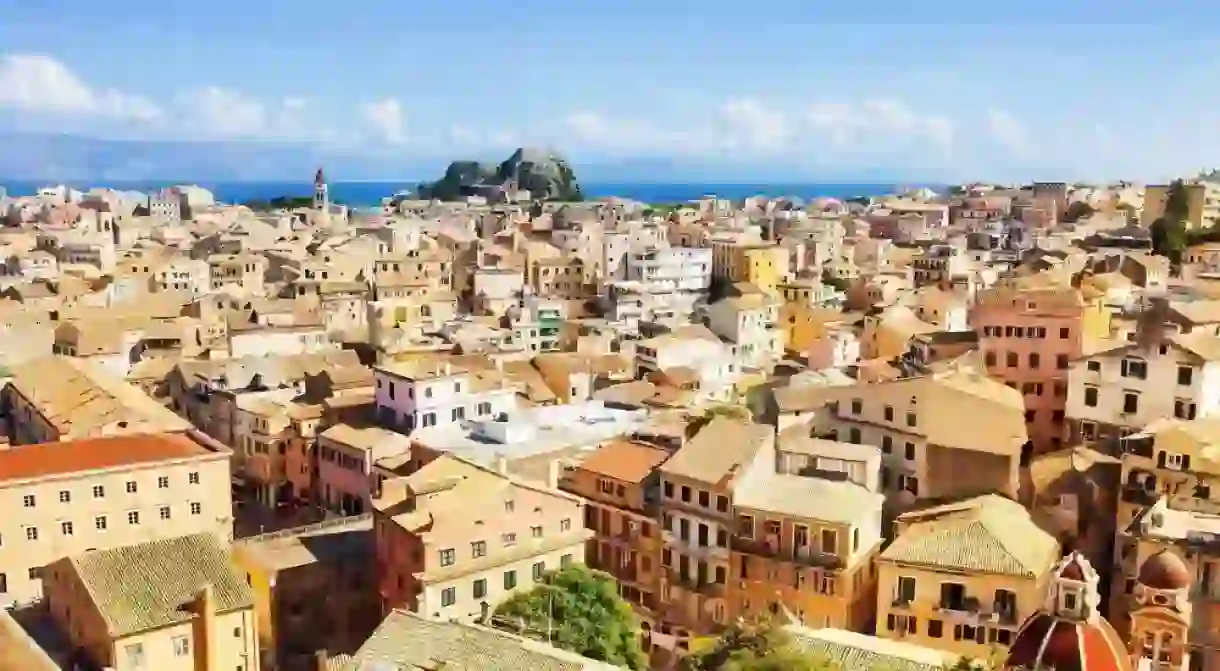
(621, 485)
(557, 277)
(763, 265)
(430, 267)
(1029, 333)
(76, 495)
(1170, 459)
(963, 576)
(805, 539)
(697, 522)
(245, 271)
(685, 273)
(429, 392)
(173, 604)
(1202, 199)
(939, 265)
(61, 398)
(1123, 388)
(948, 434)
(455, 538)
(749, 322)
(346, 456)
(311, 588)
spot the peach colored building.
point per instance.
(64, 498)
(173, 604)
(346, 456)
(455, 538)
(1030, 329)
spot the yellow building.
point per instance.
(1203, 204)
(310, 589)
(761, 265)
(804, 326)
(169, 605)
(962, 577)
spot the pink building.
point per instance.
(346, 455)
(1029, 331)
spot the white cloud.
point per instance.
(387, 119)
(1008, 131)
(752, 124)
(218, 112)
(36, 83)
(588, 126)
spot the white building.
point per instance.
(749, 323)
(430, 393)
(1118, 391)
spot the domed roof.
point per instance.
(1165, 570)
(1049, 642)
(1073, 569)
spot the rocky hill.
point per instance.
(545, 175)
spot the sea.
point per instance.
(369, 194)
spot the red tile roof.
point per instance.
(73, 456)
(624, 460)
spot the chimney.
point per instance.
(552, 474)
(204, 629)
(501, 464)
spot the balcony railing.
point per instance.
(771, 548)
(692, 584)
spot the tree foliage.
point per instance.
(1077, 211)
(1168, 233)
(579, 610)
(755, 646)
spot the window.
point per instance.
(909, 453)
(133, 517)
(429, 419)
(1136, 368)
(905, 592)
(935, 629)
(1065, 333)
(478, 549)
(65, 496)
(1011, 359)
(164, 513)
(448, 557)
(1131, 402)
(854, 435)
(566, 561)
(28, 501)
(910, 419)
(829, 541)
(887, 444)
(889, 410)
(1034, 360)
(989, 359)
(196, 508)
(182, 646)
(1185, 375)
(135, 655)
(1061, 361)
(31, 533)
(508, 539)
(459, 413)
(857, 406)
(536, 531)
(510, 579)
(3, 583)
(448, 596)
(1090, 396)
(685, 494)
(537, 570)
(193, 477)
(131, 486)
(565, 525)
(99, 492)
(480, 588)
(1093, 366)
(99, 523)
(705, 499)
(668, 487)
(162, 482)
(1183, 409)
(65, 528)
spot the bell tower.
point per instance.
(321, 197)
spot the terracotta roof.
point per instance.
(625, 460)
(74, 456)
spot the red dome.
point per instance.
(1166, 571)
(1046, 643)
(1072, 570)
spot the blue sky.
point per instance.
(933, 90)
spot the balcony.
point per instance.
(693, 585)
(970, 610)
(771, 549)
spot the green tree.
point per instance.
(755, 646)
(1077, 211)
(578, 609)
(1169, 231)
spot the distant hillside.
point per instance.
(545, 175)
